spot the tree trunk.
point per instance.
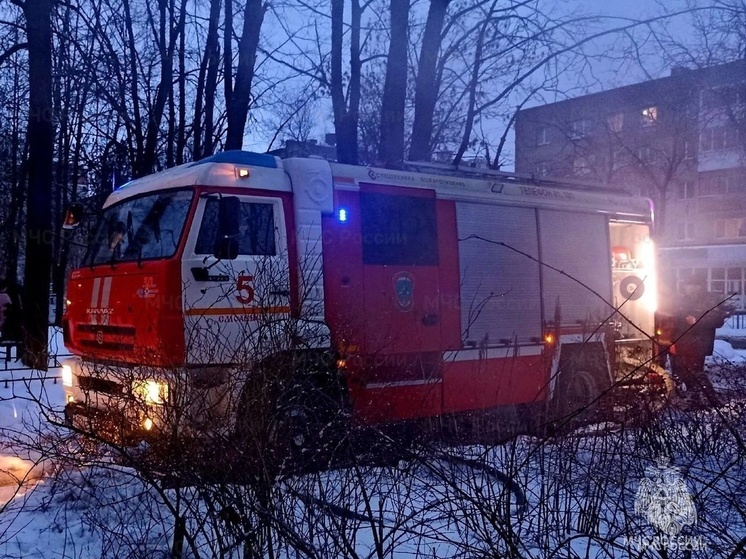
(164, 91)
(39, 208)
(181, 126)
(426, 86)
(391, 144)
(207, 84)
(473, 85)
(346, 118)
(239, 101)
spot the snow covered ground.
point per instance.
(574, 497)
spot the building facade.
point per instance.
(679, 140)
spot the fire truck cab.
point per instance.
(430, 290)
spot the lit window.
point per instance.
(649, 116)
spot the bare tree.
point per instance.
(346, 108)
(37, 273)
(238, 94)
(207, 81)
(393, 103)
(426, 86)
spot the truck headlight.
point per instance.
(150, 391)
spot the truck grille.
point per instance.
(101, 385)
(107, 329)
(105, 336)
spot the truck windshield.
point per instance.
(140, 228)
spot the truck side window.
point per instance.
(398, 230)
(257, 230)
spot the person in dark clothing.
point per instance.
(692, 322)
(12, 327)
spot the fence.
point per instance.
(736, 321)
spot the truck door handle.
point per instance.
(282, 293)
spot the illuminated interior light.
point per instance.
(67, 375)
(646, 252)
(549, 338)
(342, 215)
(147, 424)
(243, 173)
(70, 398)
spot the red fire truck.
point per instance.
(430, 291)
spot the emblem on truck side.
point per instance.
(149, 288)
(404, 291)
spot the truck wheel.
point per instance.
(582, 380)
(582, 391)
(286, 417)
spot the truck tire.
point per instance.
(289, 410)
(582, 379)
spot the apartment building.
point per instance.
(679, 140)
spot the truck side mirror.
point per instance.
(229, 221)
(73, 216)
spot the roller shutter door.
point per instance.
(500, 289)
(578, 244)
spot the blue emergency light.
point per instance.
(342, 215)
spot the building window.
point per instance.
(683, 274)
(580, 128)
(688, 150)
(714, 139)
(618, 159)
(686, 190)
(649, 116)
(542, 169)
(730, 228)
(736, 184)
(615, 122)
(685, 231)
(717, 280)
(722, 97)
(713, 184)
(706, 186)
(734, 280)
(730, 137)
(643, 154)
(582, 166)
(542, 136)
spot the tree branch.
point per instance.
(11, 51)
